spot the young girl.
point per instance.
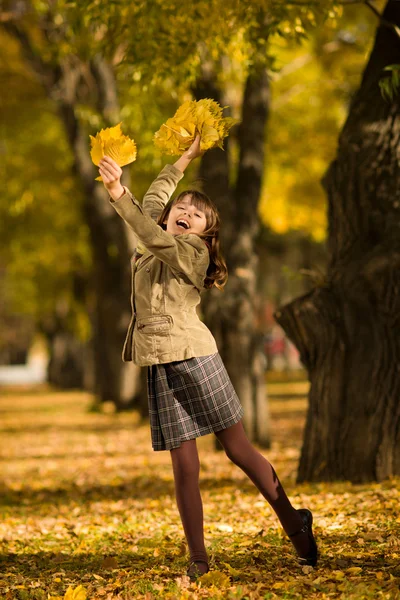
(189, 391)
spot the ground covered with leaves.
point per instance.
(88, 511)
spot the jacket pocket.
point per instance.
(158, 324)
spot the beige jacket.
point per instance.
(166, 282)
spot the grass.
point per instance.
(86, 501)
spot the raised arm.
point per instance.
(187, 253)
(161, 191)
(164, 186)
(180, 252)
(111, 175)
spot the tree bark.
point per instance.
(231, 315)
(348, 329)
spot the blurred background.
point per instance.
(68, 69)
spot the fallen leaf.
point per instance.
(354, 570)
(307, 569)
(223, 527)
(79, 593)
(338, 574)
(217, 578)
(182, 549)
(231, 570)
(109, 563)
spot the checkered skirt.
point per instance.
(188, 399)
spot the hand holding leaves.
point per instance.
(195, 128)
(195, 150)
(111, 142)
(204, 117)
(111, 174)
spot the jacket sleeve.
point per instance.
(158, 195)
(161, 191)
(186, 253)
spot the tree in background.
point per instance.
(347, 329)
(44, 241)
(77, 42)
(75, 50)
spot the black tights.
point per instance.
(186, 468)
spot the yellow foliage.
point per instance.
(79, 593)
(216, 578)
(113, 143)
(353, 572)
(203, 117)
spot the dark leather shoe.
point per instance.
(194, 572)
(312, 557)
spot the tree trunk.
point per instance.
(231, 314)
(112, 242)
(65, 368)
(348, 329)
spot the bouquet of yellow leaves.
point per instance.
(113, 143)
(203, 117)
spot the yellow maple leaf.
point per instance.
(79, 593)
(216, 578)
(113, 143)
(177, 134)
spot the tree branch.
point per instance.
(376, 12)
(39, 66)
(108, 103)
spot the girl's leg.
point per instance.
(241, 452)
(186, 468)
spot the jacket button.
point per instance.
(147, 269)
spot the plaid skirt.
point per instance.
(188, 399)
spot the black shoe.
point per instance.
(312, 557)
(194, 572)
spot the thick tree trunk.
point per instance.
(348, 329)
(231, 315)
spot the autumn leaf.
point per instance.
(354, 570)
(79, 593)
(109, 563)
(242, 563)
(233, 572)
(204, 117)
(113, 143)
(216, 578)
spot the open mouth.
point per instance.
(182, 223)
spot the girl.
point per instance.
(189, 391)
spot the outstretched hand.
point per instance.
(111, 174)
(191, 153)
(194, 150)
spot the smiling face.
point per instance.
(185, 217)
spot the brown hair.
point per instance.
(217, 272)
